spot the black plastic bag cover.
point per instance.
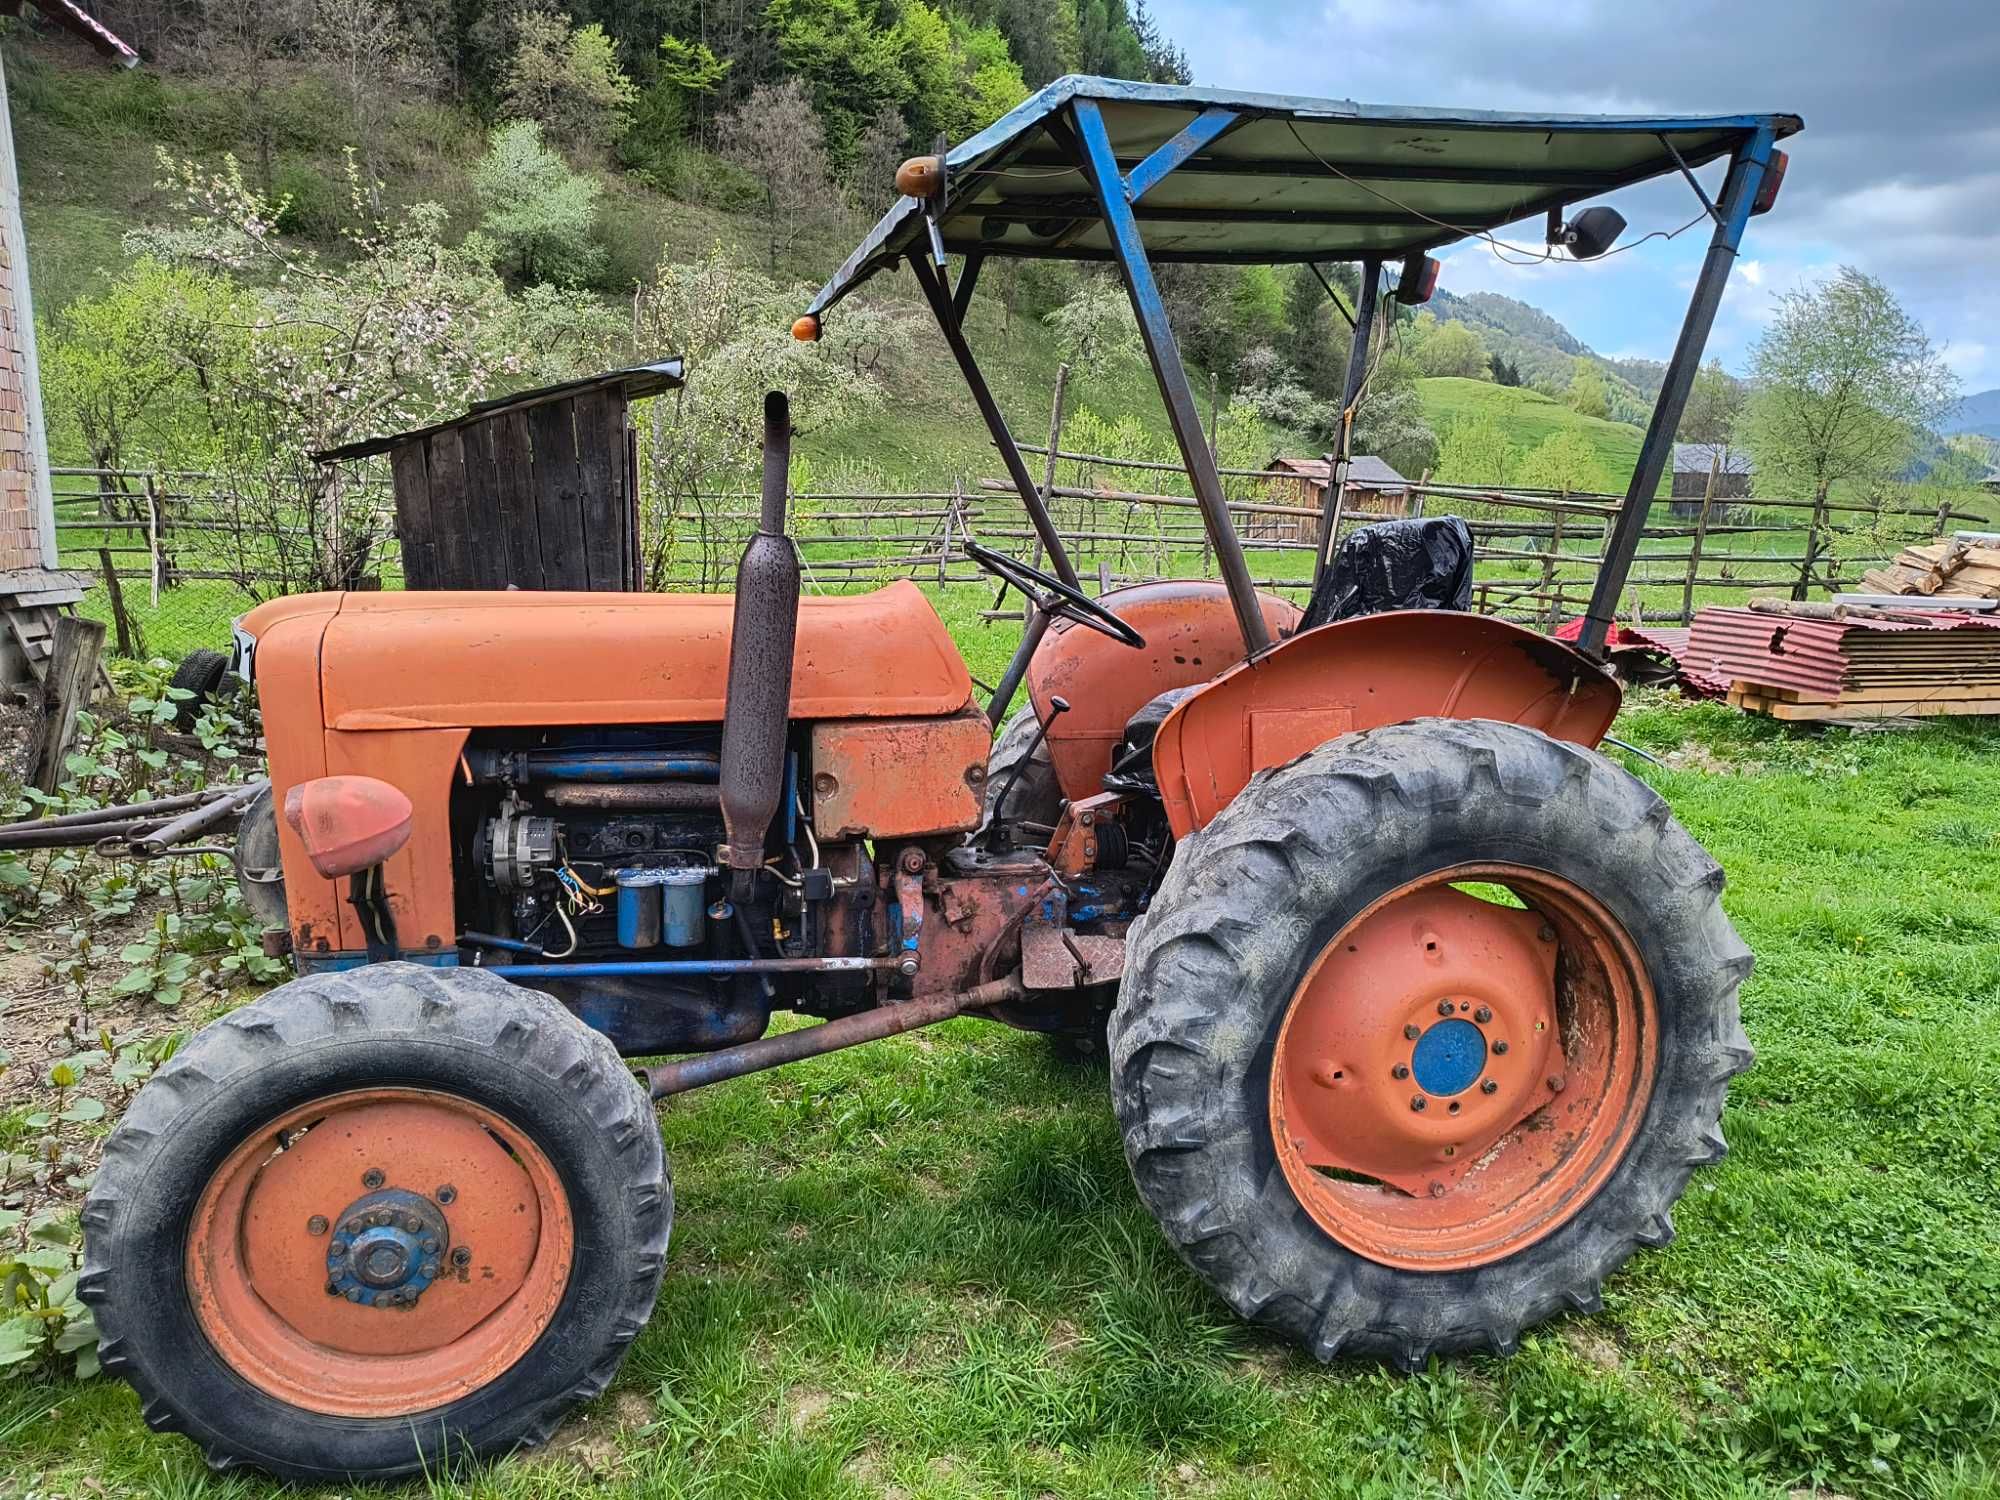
(1132, 767)
(1416, 564)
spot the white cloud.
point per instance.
(1751, 271)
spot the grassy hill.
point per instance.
(1528, 417)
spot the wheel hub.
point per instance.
(1449, 1057)
(387, 1247)
(1419, 1040)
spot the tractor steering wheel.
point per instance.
(1052, 596)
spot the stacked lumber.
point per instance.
(1851, 664)
(1950, 567)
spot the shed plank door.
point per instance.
(451, 510)
(514, 493)
(413, 515)
(486, 526)
(558, 496)
(600, 434)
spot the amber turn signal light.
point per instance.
(806, 329)
(919, 176)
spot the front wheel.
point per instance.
(1423, 1036)
(374, 1223)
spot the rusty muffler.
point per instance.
(766, 624)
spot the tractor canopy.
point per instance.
(1100, 169)
(1239, 178)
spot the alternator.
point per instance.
(517, 846)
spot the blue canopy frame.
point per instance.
(1134, 173)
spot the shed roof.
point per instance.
(73, 17)
(636, 381)
(1698, 458)
(1364, 470)
(1291, 179)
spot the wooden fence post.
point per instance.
(1700, 535)
(1551, 594)
(1803, 588)
(73, 651)
(130, 642)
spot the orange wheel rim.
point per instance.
(307, 1258)
(1457, 1075)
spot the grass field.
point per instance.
(1528, 417)
(919, 1269)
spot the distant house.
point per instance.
(1991, 482)
(1693, 461)
(32, 587)
(1373, 489)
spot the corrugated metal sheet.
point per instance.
(1824, 658)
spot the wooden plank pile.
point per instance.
(1844, 663)
(1957, 567)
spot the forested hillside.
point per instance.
(624, 178)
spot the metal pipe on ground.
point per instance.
(197, 820)
(833, 1036)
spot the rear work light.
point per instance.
(1774, 178)
(1419, 280)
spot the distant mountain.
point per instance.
(1978, 413)
(1546, 351)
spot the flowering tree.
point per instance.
(401, 331)
(733, 327)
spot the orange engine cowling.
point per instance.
(393, 685)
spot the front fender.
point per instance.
(1363, 673)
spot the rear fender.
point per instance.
(1361, 674)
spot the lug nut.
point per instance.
(412, 1223)
(1557, 1083)
(1444, 1007)
(353, 1227)
(1489, 1087)
(1401, 1070)
(1483, 1014)
(337, 1249)
(462, 1256)
(1412, 1031)
(1500, 1047)
(446, 1193)
(332, 1289)
(354, 1294)
(1547, 934)
(1437, 1190)
(372, 1178)
(1419, 1103)
(316, 1225)
(430, 1268)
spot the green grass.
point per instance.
(919, 1269)
(1528, 417)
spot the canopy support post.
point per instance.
(1739, 193)
(1100, 165)
(1357, 373)
(1017, 470)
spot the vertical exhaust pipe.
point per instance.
(766, 624)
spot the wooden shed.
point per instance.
(34, 589)
(1693, 463)
(538, 490)
(1374, 489)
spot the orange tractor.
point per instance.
(1419, 1012)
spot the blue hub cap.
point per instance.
(387, 1248)
(1449, 1058)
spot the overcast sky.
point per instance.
(1897, 171)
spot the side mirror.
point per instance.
(348, 823)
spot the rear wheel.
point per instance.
(378, 1222)
(200, 675)
(1423, 1036)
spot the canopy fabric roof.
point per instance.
(1293, 179)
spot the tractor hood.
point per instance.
(422, 660)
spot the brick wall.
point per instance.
(20, 537)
